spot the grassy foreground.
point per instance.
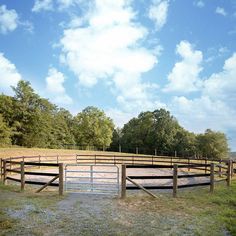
(193, 212)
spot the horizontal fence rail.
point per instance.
(223, 169)
(210, 177)
(20, 169)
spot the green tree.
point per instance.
(116, 139)
(185, 143)
(165, 129)
(62, 129)
(138, 132)
(212, 144)
(93, 128)
(35, 117)
(151, 130)
(5, 133)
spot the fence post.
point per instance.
(155, 152)
(22, 175)
(212, 177)
(61, 179)
(175, 180)
(175, 154)
(123, 181)
(4, 171)
(229, 173)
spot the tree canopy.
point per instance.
(26, 119)
(93, 128)
(31, 121)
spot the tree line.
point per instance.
(160, 131)
(28, 120)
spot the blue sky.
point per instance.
(126, 56)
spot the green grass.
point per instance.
(12, 200)
(219, 208)
(193, 212)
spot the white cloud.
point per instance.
(200, 4)
(8, 20)
(27, 25)
(55, 88)
(9, 75)
(50, 5)
(40, 5)
(120, 117)
(184, 77)
(215, 108)
(63, 4)
(222, 85)
(204, 112)
(106, 46)
(158, 12)
(221, 11)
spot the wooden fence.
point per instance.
(22, 170)
(174, 177)
(20, 165)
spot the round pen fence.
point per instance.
(18, 169)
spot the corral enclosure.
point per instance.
(151, 172)
(193, 212)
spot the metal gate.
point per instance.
(90, 178)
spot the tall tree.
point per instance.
(35, 117)
(151, 130)
(185, 143)
(212, 144)
(5, 133)
(93, 128)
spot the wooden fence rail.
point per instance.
(175, 176)
(21, 165)
(23, 173)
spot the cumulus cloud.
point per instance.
(158, 12)
(199, 4)
(55, 88)
(184, 76)
(221, 11)
(106, 46)
(8, 20)
(40, 5)
(222, 85)
(9, 75)
(215, 108)
(49, 5)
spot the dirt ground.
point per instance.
(98, 215)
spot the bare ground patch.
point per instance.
(80, 214)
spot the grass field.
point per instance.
(15, 152)
(194, 212)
